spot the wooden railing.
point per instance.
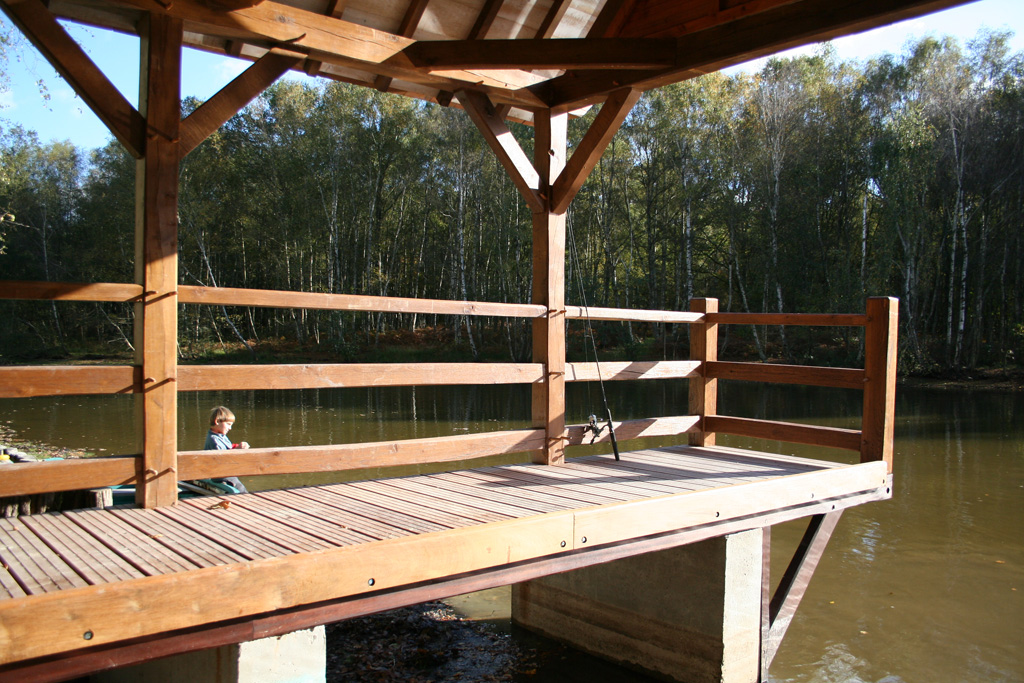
(877, 379)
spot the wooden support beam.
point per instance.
(880, 352)
(501, 141)
(84, 77)
(550, 145)
(591, 147)
(794, 582)
(704, 389)
(541, 53)
(334, 41)
(213, 113)
(156, 258)
(715, 47)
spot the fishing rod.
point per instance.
(592, 426)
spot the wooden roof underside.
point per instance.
(526, 54)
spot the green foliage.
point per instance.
(805, 187)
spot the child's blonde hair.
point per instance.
(221, 414)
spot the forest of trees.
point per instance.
(805, 187)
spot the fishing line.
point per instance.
(592, 426)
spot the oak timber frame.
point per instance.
(159, 139)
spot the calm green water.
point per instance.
(926, 587)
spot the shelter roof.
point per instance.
(523, 54)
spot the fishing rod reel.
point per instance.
(593, 428)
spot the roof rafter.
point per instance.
(484, 20)
(553, 18)
(408, 27)
(714, 48)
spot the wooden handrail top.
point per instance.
(271, 298)
(631, 315)
(70, 291)
(86, 473)
(803, 319)
(843, 378)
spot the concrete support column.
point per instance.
(690, 614)
(297, 657)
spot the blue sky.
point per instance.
(65, 117)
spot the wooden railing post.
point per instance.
(703, 390)
(550, 131)
(879, 380)
(156, 259)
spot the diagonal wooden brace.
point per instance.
(794, 582)
(71, 62)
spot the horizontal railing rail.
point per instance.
(122, 470)
(877, 380)
(703, 370)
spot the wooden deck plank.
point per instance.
(349, 507)
(571, 472)
(428, 501)
(691, 466)
(458, 482)
(199, 549)
(378, 498)
(526, 484)
(558, 479)
(35, 566)
(296, 540)
(695, 474)
(91, 559)
(142, 551)
(263, 586)
(249, 544)
(9, 586)
(729, 453)
(445, 500)
(646, 484)
(322, 520)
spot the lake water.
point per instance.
(926, 587)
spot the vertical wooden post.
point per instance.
(156, 258)
(879, 380)
(550, 144)
(703, 391)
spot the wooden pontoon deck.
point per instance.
(104, 577)
(90, 590)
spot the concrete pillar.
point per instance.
(298, 657)
(690, 614)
